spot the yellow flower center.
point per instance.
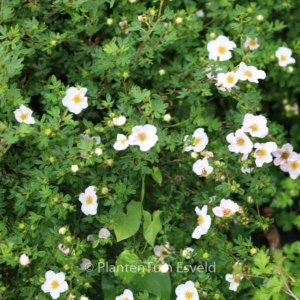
(197, 141)
(188, 295)
(285, 155)
(248, 73)
(221, 49)
(226, 212)
(142, 136)
(54, 284)
(261, 153)
(200, 219)
(204, 172)
(126, 298)
(89, 200)
(294, 165)
(230, 78)
(24, 116)
(254, 127)
(252, 43)
(240, 141)
(77, 99)
(283, 57)
(123, 141)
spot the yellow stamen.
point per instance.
(200, 219)
(261, 153)
(230, 78)
(142, 136)
(240, 141)
(188, 295)
(294, 165)
(285, 155)
(89, 200)
(252, 43)
(226, 212)
(254, 127)
(197, 141)
(283, 57)
(248, 73)
(24, 116)
(77, 99)
(204, 172)
(221, 49)
(54, 284)
(123, 141)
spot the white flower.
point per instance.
(200, 13)
(227, 208)
(97, 138)
(109, 21)
(162, 251)
(104, 233)
(284, 56)
(227, 80)
(204, 222)
(83, 298)
(259, 18)
(161, 72)
(55, 284)
(143, 136)
(252, 44)
(86, 264)
(255, 125)
(167, 117)
(283, 154)
(263, 152)
(24, 260)
(63, 249)
(23, 115)
(164, 268)
(292, 166)
(119, 121)
(200, 140)
(62, 230)
(221, 47)
(90, 238)
(187, 291)
(290, 69)
(89, 201)
(250, 73)
(98, 151)
(187, 252)
(74, 168)
(201, 167)
(127, 295)
(234, 280)
(179, 20)
(75, 100)
(240, 143)
(121, 143)
(246, 170)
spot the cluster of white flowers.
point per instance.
(288, 160)
(143, 136)
(227, 208)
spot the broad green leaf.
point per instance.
(126, 225)
(156, 175)
(108, 287)
(128, 265)
(155, 283)
(151, 227)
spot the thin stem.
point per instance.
(143, 188)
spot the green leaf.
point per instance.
(156, 175)
(126, 225)
(151, 228)
(128, 265)
(155, 283)
(261, 260)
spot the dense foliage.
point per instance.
(64, 176)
